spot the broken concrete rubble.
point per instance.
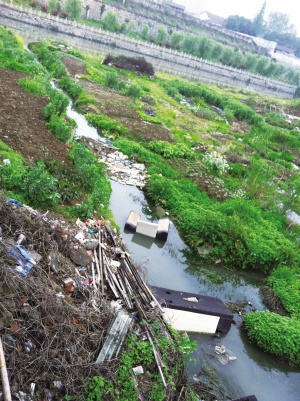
(119, 168)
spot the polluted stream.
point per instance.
(173, 265)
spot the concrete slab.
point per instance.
(146, 228)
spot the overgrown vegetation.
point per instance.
(124, 386)
(227, 173)
(47, 183)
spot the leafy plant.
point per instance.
(40, 187)
(104, 123)
(275, 334)
(60, 128)
(171, 150)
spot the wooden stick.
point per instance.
(94, 278)
(158, 360)
(101, 264)
(4, 375)
(97, 267)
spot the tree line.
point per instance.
(277, 27)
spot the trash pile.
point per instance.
(66, 291)
(119, 168)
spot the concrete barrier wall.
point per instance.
(164, 60)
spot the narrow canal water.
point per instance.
(174, 265)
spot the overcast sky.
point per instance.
(248, 8)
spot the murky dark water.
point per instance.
(173, 265)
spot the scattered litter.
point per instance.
(138, 370)
(53, 262)
(57, 384)
(25, 261)
(69, 293)
(32, 388)
(29, 346)
(191, 299)
(22, 396)
(220, 349)
(14, 202)
(119, 168)
(49, 394)
(150, 112)
(224, 355)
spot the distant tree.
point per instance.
(54, 5)
(190, 44)
(176, 39)
(271, 70)
(161, 36)
(204, 47)
(292, 75)
(131, 29)
(258, 22)
(227, 56)
(145, 32)
(279, 23)
(238, 59)
(111, 22)
(262, 65)
(74, 8)
(250, 62)
(239, 24)
(216, 52)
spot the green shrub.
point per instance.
(41, 188)
(73, 88)
(105, 124)
(84, 98)
(197, 91)
(12, 174)
(111, 80)
(171, 150)
(286, 282)
(275, 334)
(133, 91)
(34, 86)
(59, 128)
(137, 151)
(48, 111)
(60, 101)
(276, 119)
(150, 119)
(51, 60)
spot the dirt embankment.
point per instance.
(22, 126)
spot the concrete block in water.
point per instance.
(158, 230)
(163, 229)
(146, 228)
(132, 221)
